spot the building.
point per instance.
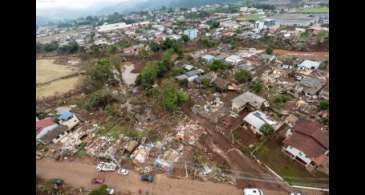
(191, 33)
(309, 64)
(233, 59)
(310, 85)
(115, 26)
(248, 99)
(258, 119)
(308, 143)
(208, 58)
(68, 119)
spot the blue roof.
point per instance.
(65, 115)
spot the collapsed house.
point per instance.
(310, 86)
(249, 100)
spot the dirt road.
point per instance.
(79, 174)
(316, 55)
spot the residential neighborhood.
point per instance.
(230, 96)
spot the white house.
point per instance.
(258, 119)
(208, 58)
(233, 59)
(309, 64)
(191, 33)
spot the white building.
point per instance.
(233, 59)
(258, 119)
(191, 33)
(309, 64)
(115, 26)
(248, 98)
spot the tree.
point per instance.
(71, 47)
(112, 50)
(185, 38)
(171, 96)
(148, 74)
(256, 87)
(99, 73)
(100, 190)
(266, 129)
(269, 50)
(242, 76)
(99, 99)
(218, 65)
(154, 46)
(324, 105)
(213, 24)
(49, 47)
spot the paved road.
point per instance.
(79, 174)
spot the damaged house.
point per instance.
(258, 119)
(310, 86)
(308, 143)
(248, 99)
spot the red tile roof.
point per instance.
(41, 124)
(309, 138)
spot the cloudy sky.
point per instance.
(72, 4)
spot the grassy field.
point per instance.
(322, 9)
(58, 87)
(250, 17)
(46, 70)
(270, 153)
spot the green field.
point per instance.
(270, 153)
(250, 17)
(322, 9)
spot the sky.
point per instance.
(72, 4)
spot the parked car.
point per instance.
(104, 166)
(97, 180)
(123, 172)
(252, 191)
(110, 190)
(147, 178)
(296, 193)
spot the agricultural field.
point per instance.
(322, 9)
(250, 17)
(52, 78)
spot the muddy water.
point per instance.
(128, 77)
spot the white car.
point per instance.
(110, 190)
(123, 172)
(252, 191)
(104, 166)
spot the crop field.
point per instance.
(47, 70)
(58, 87)
(321, 9)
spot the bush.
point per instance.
(281, 99)
(99, 99)
(206, 82)
(171, 96)
(242, 76)
(99, 73)
(218, 65)
(256, 87)
(324, 105)
(267, 129)
(269, 50)
(100, 190)
(148, 74)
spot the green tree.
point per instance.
(99, 99)
(49, 47)
(172, 97)
(213, 24)
(218, 65)
(269, 50)
(148, 74)
(99, 74)
(185, 38)
(256, 87)
(155, 47)
(242, 76)
(266, 129)
(100, 190)
(324, 105)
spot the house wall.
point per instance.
(299, 154)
